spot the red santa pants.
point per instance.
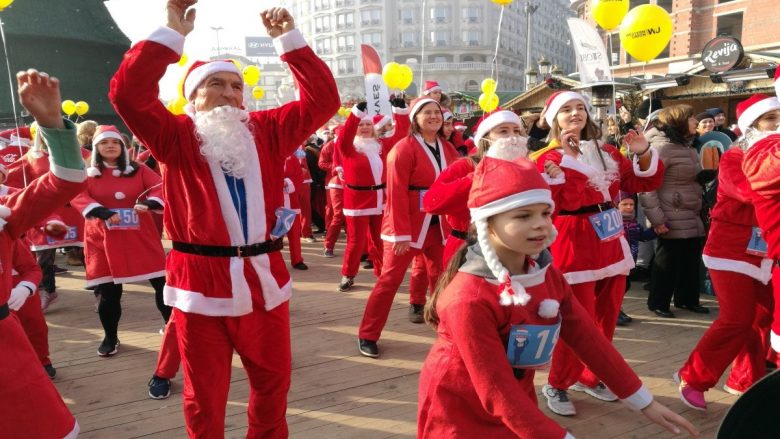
(168, 360)
(734, 331)
(420, 284)
(602, 300)
(336, 222)
(393, 271)
(294, 241)
(27, 392)
(34, 325)
(304, 197)
(743, 372)
(362, 232)
(262, 340)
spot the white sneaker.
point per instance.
(600, 392)
(558, 401)
(734, 392)
(47, 299)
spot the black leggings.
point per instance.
(110, 307)
(158, 283)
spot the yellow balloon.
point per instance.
(258, 92)
(68, 107)
(251, 75)
(609, 13)
(646, 31)
(33, 129)
(489, 86)
(391, 75)
(5, 3)
(81, 108)
(488, 102)
(406, 76)
(183, 60)
(503, 2)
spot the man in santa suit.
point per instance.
(26, 389)
(226, 278)
(334, 215)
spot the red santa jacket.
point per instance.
(366, 169)
(411, 170)
(467, 385)
(761, 165)
(325, 162)
(579, 253)
(26, 271)
(200, 209)
(10, 154)
(449, 194)
(733, 219)
(293, 179)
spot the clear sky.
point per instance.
(238, 18)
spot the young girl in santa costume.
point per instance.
(591, 250)
(412, 166)
(121, 241)
(499, 312)
(739, 268)
(363, 155)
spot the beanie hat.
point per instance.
(703, 115)
(751, 109)
(499, 186)
(418, 103)
(558, 100)
(715, 111)
(107, 132)
(623, 195)
(431, 86)
(380, 120)
(201, 70)
(494, 120)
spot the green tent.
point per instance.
(76, 41)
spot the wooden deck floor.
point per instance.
(336, 393)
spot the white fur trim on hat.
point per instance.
(419, 104)
(198, 74)
(495, 120)
(108, 134)
(513, 201)
(559, 101)
(447, 115)
(384, 121)
(548, 308)
(93, 171)
(432, 89)
(755, 111)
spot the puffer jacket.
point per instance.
(678, 202)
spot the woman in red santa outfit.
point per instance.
(121, 240)
(413, 165)
(363, 156)
(293, 179)
(591, 250)
(499, 312)
(735, 255)
(334, 216)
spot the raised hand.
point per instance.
(180, 18)
(636, 141)
(277, 21)
(40, 95)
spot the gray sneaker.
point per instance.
(600, 392)
(558, 401)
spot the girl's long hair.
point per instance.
(431, 317)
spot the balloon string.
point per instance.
(612, 74)
(494, 62)
(422, 53)
(13, 100)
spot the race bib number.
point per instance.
(284, 222)
(128, 220)
(757, 246)
(531, 346)
(422, 194)
(607, 224)
(71, 236)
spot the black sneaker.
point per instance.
(301, 266)
(368, 348)
(108, 347)
(416, 313)
(346, 283)
(623, 319)
(50, 370)
(159, 388)
(369, 265)
(59, 270)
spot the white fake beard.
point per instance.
(602, 179)
(225, 138)
(508, 148)
(367, 145)
(752, 136)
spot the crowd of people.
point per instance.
(521, 233)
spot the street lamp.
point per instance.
(544, 67)
(529, 9)
(530, 77)
(217, 29)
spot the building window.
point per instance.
(346, 66)
(408, 39)
(471, 14)
(321, 4)
(323, 46)
(634, 3)
(371, 17)
(730, 24)
(342, 3)
(440, 38)
(345, 43)
(666, 4)
(345, 21)
(406, 16)
(472, 85)
(471, 37)
(322, 24)
(373, 38)
(440, 14)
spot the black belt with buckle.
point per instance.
(4, 311)
(366, 188)
(459, 234)
(593, 208)
(243, 251)
(418, 188)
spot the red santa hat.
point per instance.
(418, 103)
(380, 120)
(103, 132)
(446, 115)
(459, 126)
(499, 186)
(751, 109)
(558, 100)
(495, 119)
(200, 70)
(431, 86)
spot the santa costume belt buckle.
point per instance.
(4, 311)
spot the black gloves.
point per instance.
(398, 102)
(151, 204)
(362, 106)
(101, 212)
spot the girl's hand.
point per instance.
(569, 137)
(400, 248)
(56, 229)
(141, 208)
(552, 170)
(661, 415)
(114, 219)
(636, 142)
(661, 229)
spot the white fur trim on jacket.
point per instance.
(621, 267)
(168, 38)
(774, 340)
(652, 169)
(762, 274)
(639, 399)
(287, 42)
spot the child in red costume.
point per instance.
(500, 316)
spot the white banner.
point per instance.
(377, 96)
(592, 61)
